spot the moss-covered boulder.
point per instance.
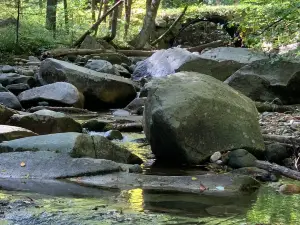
(188, 116)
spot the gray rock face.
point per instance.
(240, 55)
(189, 116)
(74, 144)
(46, 122)
(219, 63)
(10, 100)
(100, 66)
(240, 158)
(100, 89)
(16, 89)
(136, 106)
(7, 69)
(162, 63)
(265, 81)
(13, 78)
(59, 93)
(8, 133)
(5, 114)
(51, 165)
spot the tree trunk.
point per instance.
(99, 16)
(114, 23)
(51, 15)
(66, 15)
(105, 7)
(93, 10)
(128, 4)
(149, 21)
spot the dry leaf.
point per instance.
(194, 178)
(202, 188)
(22, 164)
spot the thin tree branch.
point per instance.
(171, 27)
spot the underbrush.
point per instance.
(253, 20)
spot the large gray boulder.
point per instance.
(75, 144)
(10, 100)
(45, 122)
(59, 93)
(189, 116)
(14, 78)
(266, 80)
(162, 63)
(100, 89)
(219, 63)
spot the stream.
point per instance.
(26, 202)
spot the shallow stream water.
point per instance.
(28, 202)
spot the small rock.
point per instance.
(113, 135)
(33, 59)
(7, 69)
(122, 71)
(121, 112)
(17, 88)
(215, 157)
(10, 100)
(100, 66)
(240, 158)
(276, 152)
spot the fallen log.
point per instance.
(273, 167)
(269, 107)
(213, 44)
(282, 139)
(95, 25)
(170, 28)
(55, 53)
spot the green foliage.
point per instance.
(254, 16)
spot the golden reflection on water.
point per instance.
(135, 199)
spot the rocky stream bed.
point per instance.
(175, 138)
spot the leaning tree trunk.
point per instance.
(114, 23)
(128, 4)
(94, 10)
(148, 26)
(51, 15)
(66, 15)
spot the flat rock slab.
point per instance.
(51, 165)
(8, 133)
(74, 144)
(215, 184)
